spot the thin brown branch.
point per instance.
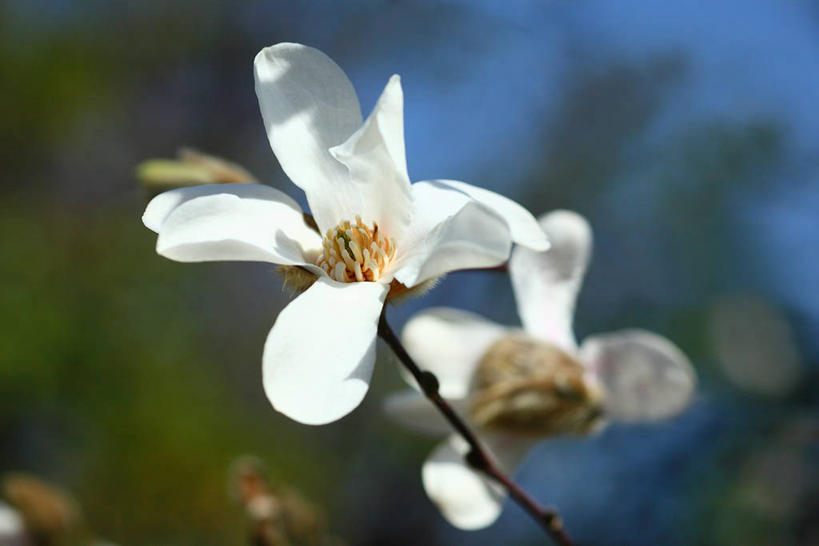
(478, 457)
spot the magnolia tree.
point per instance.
(372, 237)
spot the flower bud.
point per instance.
(531, 388)
(191, 168)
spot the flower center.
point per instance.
(355, 252)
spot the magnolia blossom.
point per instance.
(517, 386)
(372, 234)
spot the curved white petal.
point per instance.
(163, 204)
(449, 230)
(523, 226)
(319, 356)
(466, 498)
(242, 222)
(412, 410)
(450, 343)
(546, 283)
(645, 375)
(308, 106)
(377, 163)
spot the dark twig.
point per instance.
(477, 457)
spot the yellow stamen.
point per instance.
(355, 252)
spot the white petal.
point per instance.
(243, 222)
(12, 528)
(449, 343)
(546, 283)
(449, 231)
(523, 226)
(319, 356)
(645, 375)
(375, 157)
(163, 204)
(412, 410)
(308, 106)
(466, 498)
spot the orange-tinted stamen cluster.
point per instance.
(355, 252)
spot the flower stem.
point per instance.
(477, 457)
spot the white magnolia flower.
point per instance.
(378, 235)
(515, 387)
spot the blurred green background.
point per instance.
(686, 134)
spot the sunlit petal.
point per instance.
(243, 222)
(319, 356)
(546, 283)
(645, 375)
(522, 225)
(308, 106)
(450, 231)
(163, 204)
(375, 157)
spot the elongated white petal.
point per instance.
(377, 162)
(645, 375)
(449, 231)
(319, 356)
(450, 343)
(522, 225)
(163, 204)
(308, 106)
(546, 283)
(241, 222)
(467, 499)
(412, 410)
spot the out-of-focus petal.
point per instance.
(522, 225)
(449, 231)
(237, 222)
(412, 410)
(308, 106)
(449, 343)
(12, 527)
(467, 499)
(645, 375)
(375, 157)
(319, 356)
(546, 283)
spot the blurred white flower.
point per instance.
(381, 234)
(12, 528)
(515, 387)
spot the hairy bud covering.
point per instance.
(527, 387)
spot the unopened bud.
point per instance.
(528, 387)
(191, 168)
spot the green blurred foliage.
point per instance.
(101, 364)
